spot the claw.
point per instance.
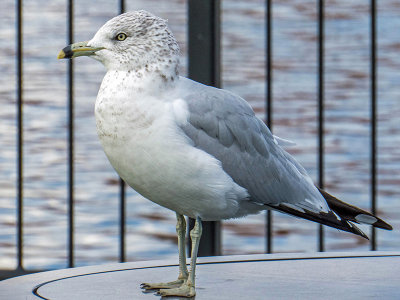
(146, 286)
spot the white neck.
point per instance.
(142, 81)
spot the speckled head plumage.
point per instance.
(137, 40)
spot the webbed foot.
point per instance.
(162, 285)
(184, 290)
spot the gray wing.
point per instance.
(224, 125)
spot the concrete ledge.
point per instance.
(276, 276)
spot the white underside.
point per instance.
(144, 144)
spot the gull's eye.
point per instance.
(121, 36)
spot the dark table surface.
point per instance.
(366, 275)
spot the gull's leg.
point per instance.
(181, 231)
(187, 289)
(183, 271)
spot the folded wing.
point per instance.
(224, 125)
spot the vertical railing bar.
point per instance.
(70, 140)
(122, 220)
(373, 117)
(19, 139)
(121, 6)
(122, 198)
(204, 66)
(216, 37)
(321, 70)
(268, 48)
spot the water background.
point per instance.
(150, 228)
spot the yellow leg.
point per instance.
(183, 271)
(181, 231)
(187, 289)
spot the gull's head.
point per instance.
(131, 41)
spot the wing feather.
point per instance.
(224, 125)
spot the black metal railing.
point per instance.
(70, 138)
(204, 66)
(204, 22)
(321, 111)
(122, 200)
(20, 140)
(373, 116)
(268, 99)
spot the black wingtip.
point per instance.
(357, 230)
(329, 219)
(383, 225)
(353, 213)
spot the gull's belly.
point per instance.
(150, 153)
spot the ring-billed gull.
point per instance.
(197, 150)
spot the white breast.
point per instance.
(141, 139)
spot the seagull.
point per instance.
(194, 149)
